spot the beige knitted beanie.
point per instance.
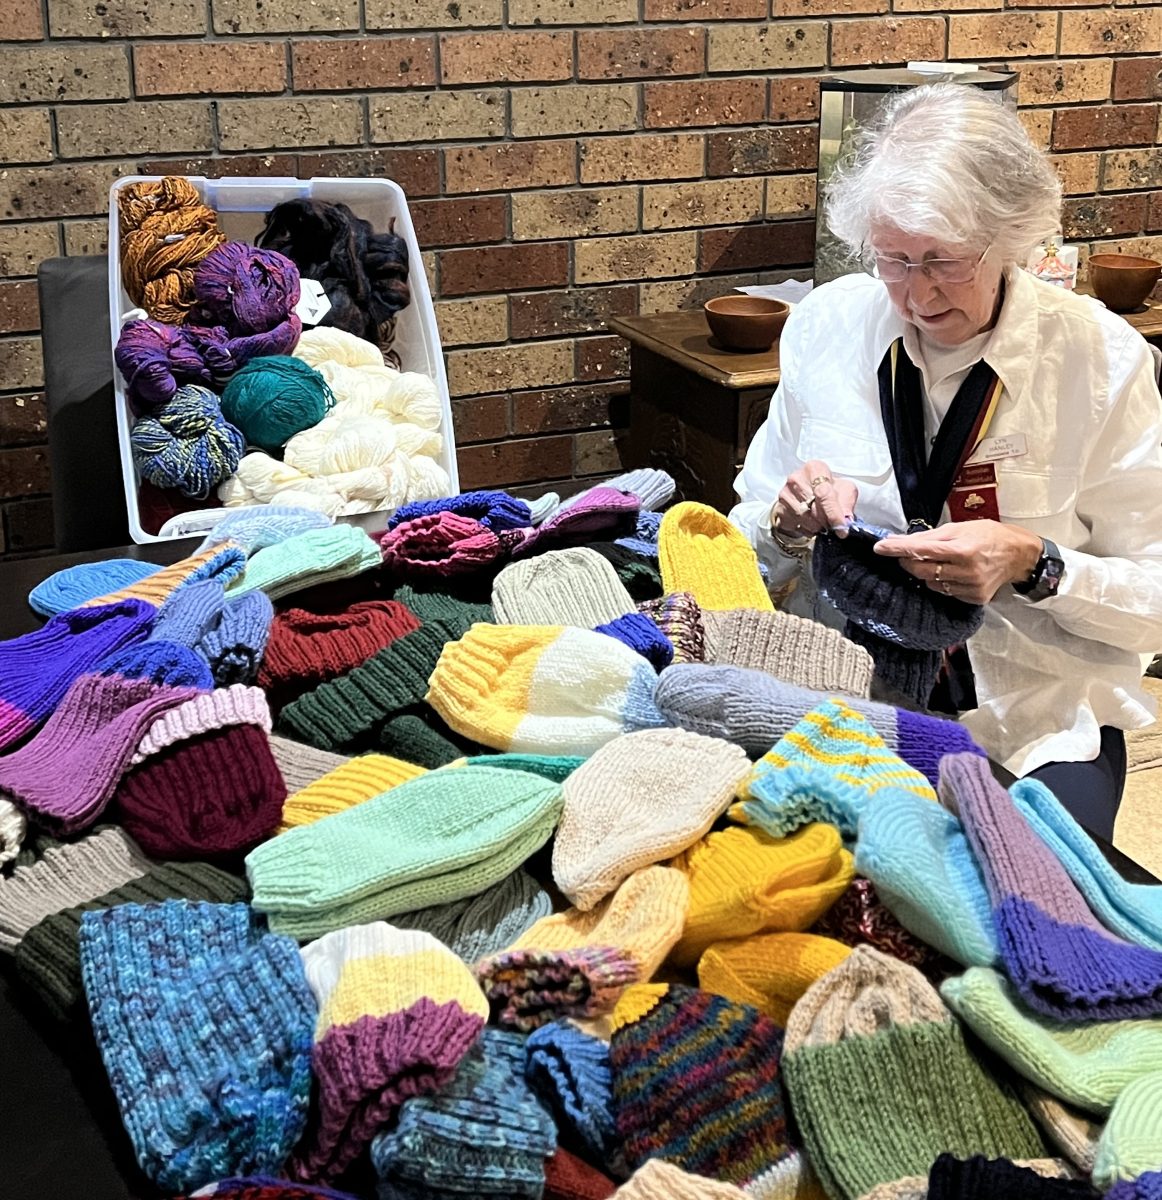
(659, 1180)
(640, 799)
(560, 587)
(793, 649)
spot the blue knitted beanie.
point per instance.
(494, 510)
(74, 586)
(570, 1072)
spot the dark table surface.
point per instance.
(60, 1129)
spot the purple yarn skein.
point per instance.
(245, 289)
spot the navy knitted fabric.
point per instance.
(639, 633)
(980, 1178)
(485, 1134)
(206, 1026)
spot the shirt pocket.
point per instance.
(1024, 495)
(850, 454)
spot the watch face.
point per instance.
(1051, 574)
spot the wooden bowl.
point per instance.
(1122, 281)
(742, 322)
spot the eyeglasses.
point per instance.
(939, 270)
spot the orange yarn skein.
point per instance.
(166, 231)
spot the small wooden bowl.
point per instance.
(742, 322)
(1122, 281)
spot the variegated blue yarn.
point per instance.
(570, 1072)
(187, 444)
(205, 1024)
(189, 612)
(494, 510)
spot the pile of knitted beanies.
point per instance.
(527, 851)
(233, 402)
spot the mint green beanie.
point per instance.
(443, 836)
(307, 559)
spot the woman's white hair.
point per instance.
(946, 161)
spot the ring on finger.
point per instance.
(821, 479)
(946, 588)
(939, 570)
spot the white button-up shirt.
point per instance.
(1079, 385)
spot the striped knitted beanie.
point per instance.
(483, 1133)
(681, 620)
(702, 553)
(744, 882)
(397, 1013)
(1088, 1065)
(351, 783)
(37, 669)
(224, 562)
(306, 648)
(754, 710)
(48, 957)
(230, 1005)
(578, 963)
(639, 800)
(542, 689)
(881, 1080)
(696, 1082)
(794, 649)
(73, 586)
(829, 767)
(437, 838)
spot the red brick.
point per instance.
(23, 419)
(794, 98)
(779, 244)
(520, 461)
(1086, 217)
(355, 64)
(75, 190)
(460, 222)
(24, 472)
(480, 418)
(584, 407)
(602, 358)
(29, 526)
(208, 68)
(705, 10)
(509, 166)
(1138, 79)
(505, 57)
(882, 40)
(704, 102)
(640, 53)
(1092, 128)
(503, 268)
(1154, 220)
(578, 310)
(282, 165)
(24, 22)
(762, 151)
(416, 171)
(19, 308)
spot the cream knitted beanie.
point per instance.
(641, 798)
(560, 587)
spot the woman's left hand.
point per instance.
(971, 560)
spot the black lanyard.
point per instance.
(925, 480)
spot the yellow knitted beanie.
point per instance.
(743, 881)
(702, 553)
(769, 971)
(355, 781)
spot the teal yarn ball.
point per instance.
(187, 444)
(273, 398)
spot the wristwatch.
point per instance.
(1046, 576)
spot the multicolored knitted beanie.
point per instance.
(680, 619)
(37, 669)
(204, 1024)
(881, 1080)
(482, 1134)
(696, 1082)
(225, 562)
(494, 510)
(397, 1013)
(601, 512)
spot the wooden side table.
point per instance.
(694, 406)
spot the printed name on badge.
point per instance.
(993, 449)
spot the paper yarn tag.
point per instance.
(313, 304)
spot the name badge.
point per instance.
(993, 449)
(974, 494)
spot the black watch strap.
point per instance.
(1046, 575)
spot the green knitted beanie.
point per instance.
(881, 1080)
(419, 735)
(48, 957)
(337, 712)
(1131, 1143)
(454, 610)
(431, 840)
(557, 767)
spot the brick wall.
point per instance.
(565, 160)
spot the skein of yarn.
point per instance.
(363, 273)
(165, 231)
(273, 398)
(187, 444)
(246, 290)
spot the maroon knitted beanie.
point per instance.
(208, 796)
(308, 648)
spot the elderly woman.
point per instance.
(948, 351)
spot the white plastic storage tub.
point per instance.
(242, 205)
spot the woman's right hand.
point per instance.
(813, 500)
